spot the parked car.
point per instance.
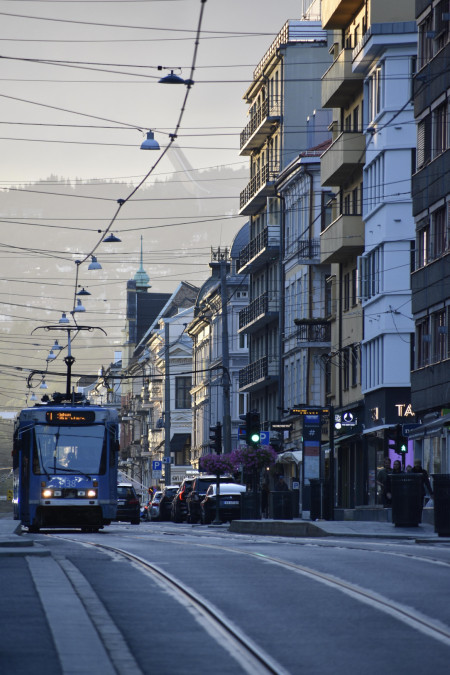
(179, 508)
(229, 503)
(200, 485)
(154, 506)
(165, 504)
(128, 508)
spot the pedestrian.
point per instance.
(408, 468)
(397, 466)
(280, 485)
(382, 480)
(426, 485)
(265, 499)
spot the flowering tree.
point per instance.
(218, 464)
(253, 459)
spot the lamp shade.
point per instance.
(79, 307)
(171, 79)
(64, 318)
(83, 292)
(94, 265)
(111, 238)
(56, 347)
(150, 143)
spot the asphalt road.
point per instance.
(313, 606)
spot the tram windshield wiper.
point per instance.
(63, 468)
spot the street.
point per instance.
(207, 600)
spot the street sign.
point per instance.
(407, 428)
(156, 465)
(264, 438)
(281, 426)
(167, 460)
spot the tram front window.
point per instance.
(69, 449)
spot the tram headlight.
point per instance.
(92, 494)
(47, 493)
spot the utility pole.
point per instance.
(225, 356)
(166, 404)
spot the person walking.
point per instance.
(382, 480)
(426, 485)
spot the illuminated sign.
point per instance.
(347, 419)
(70, 417)
(305, 410)
(404, 410)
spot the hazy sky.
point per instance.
(141, 36)
(109, 72)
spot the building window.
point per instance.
(346, 292)
(439, 232)
(423, 243)
(182, 392)
(374, 94)
(423, 141)
(354, 287)
(346, 368)
(440, 332)
(354, 365)
(371, 273)
(423, 342)
(426, 43)
(440, 131)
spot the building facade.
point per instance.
(430, 378)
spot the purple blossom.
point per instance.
(253, 458)
(218, 464)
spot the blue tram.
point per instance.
(65, 459)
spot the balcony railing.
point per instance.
(306, 250)
(313, 331)
(258, 189)
(261, 125)
(267, 240)
(339, 82)
(260, 311)
(343, 158)
(258, 372)
(343, 237)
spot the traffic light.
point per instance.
(215, 437)
(253, 428)
(397, 442)
(401, 442)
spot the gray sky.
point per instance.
(130, 95)
(38, 269)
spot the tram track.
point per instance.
(404, 613)
(250, 656)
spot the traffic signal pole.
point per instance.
(225, 359)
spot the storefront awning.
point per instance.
(179, 441)
(290, 456)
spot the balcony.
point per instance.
(313, 333)
(344, 157)
(261, 186)
(306, 251)
(338, 13)
(343, 238)
(262, 120)
(340, 83)
(265, 246)
(260, 312)
(258, 374)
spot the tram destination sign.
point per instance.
(70, 417)
(309, 410)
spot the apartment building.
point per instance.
(430, 378)
(284, 91)
(369, 241)
(215, 380)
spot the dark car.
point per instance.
(197, 494)
(179, 508)
(165, 503)
(229, 503)
(128, 508)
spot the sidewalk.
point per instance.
(336, 528)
